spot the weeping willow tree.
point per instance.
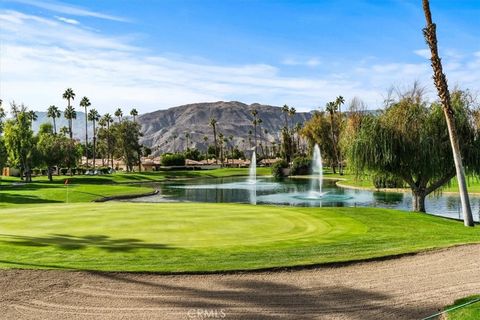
(410, 141)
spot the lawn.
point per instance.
(192, 237)
(365, 181)
(89, 188)
(467, 312)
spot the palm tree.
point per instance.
(256, 121)
(331, 108)
(339, 101)
(69, 95)
(70, 114)
(187, 136)
(64, 131)
(220, 137)
(291, 113)
(134, 113)
(175, 136)
(440, 81)
(285, 111)
(213, 124)
(107, 117)
(102, 122)
(85, 103)
(94, 116)
(32, 116)
(54, 113)
(298, 129)
(205, 139)
(119, 114)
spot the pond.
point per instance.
(294, 192)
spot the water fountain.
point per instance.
(315, 191)
(252, 171)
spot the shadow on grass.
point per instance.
(70, 242)
(244, 298)
(16, 198)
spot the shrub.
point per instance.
(382, 181)
(193, 154)
(176, 159)
(104, 170)
(300, 165)
(64, 171)
(277, 169)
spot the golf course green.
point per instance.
(194, 237)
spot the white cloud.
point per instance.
(424, 53)
(67, 20)
(309, 62)
(69, 9)
(52, 56)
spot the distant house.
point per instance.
(10, 172)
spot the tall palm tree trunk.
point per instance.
(54, 126)
(94, 142)
(440, 81)
(86, 139)
(215, 143)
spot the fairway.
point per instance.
(191, 237)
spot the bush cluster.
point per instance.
(277, 169)
(175, 159)
(300, 166)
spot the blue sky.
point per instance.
(157, 54)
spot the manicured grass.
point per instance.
(181, 237)
(365, 181)
(469, 312)
(89, 188)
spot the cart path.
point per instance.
(410, 287)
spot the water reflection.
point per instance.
(289, 191)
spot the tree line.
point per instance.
(53, 148)
(286, 146)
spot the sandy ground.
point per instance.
(410, 287)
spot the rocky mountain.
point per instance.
(165, 130)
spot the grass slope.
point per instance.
(186, 237)
(469, 312)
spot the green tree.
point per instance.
(205, 139)
(32, 117)
(19, 143)
(85, 103)
(317, 130)
(70, 113)
(220, 139)
(256, 121)
(128, 146)
(408, 141)
(3, 151)
(187, 137)
(107, 136)
(94, 116)
(134, 114)
(64, 131)
(440, 81)
(54, 113)
(119, 114)
(52, 148)
(213, 124)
